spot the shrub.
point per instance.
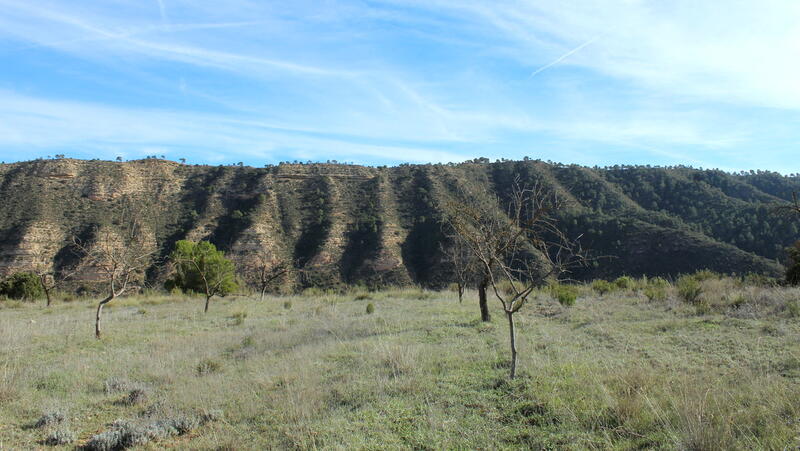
(370, 309)
(287, 305)
(624, 283)
(50, 418)
(705, 274)
(602, 286)
(565, 294)
(208, 366)
(689, 289)
(59, 437)
(793, 308)
(238, 318)
(659, 282)
(23, 286)
(136, 396)
(655, 293)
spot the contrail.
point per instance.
(563, 57)
(163, 11)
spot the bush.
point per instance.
(51, 418)
(565, 294)
(624, 283)
(655, 293)
(238, 318)
(59, 437)
(793, 308)
(208, 366)
(689, 289)
(287, 305)
(602, 286)
(705, 274)
(370, 309)
(23, 286)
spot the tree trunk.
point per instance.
(513, 338)
(484, 305)
(207, 299)
(263, 290)
(460, 292)
(43, 280)
(99, 312)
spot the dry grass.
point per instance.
(617, 371)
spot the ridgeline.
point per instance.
(375, 226)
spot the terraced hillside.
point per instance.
(346, 224)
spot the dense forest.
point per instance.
(342, 224)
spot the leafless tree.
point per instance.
(116, 256)
(48, 277)
(523, 246)
(461, 260)
(262, 271)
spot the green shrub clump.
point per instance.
(624, 283)
(370, 309)
(565, 294)
(23, 286)
(602, 286)
(689, 289)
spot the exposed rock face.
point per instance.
(340, 224)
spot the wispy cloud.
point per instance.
(681, 82)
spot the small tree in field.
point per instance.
(116, 257)
(522, 246)
(462, 262)
(262, 271)
(201, 268)
(49, 279)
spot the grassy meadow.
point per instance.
(636, 367)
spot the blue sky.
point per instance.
(593, 82)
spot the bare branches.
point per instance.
(117, 255)
(263, 270)
(522, 247)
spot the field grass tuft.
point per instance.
(631, 368)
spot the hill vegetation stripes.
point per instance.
(344, 224)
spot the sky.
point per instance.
(593, 82)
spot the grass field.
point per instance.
(611, 372)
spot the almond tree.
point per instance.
(263, 270)
(522, 246)
(117, 256)
(463, 264)
(49, 279)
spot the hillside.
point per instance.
(375, 226)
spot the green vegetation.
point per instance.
(422, 371)
(23, 286)
(201, 268)
(380, 227)
(566, 295)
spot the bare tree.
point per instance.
(263, 270)
(522, 246)
(50, 279)
(117, 256)
(461, 260)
